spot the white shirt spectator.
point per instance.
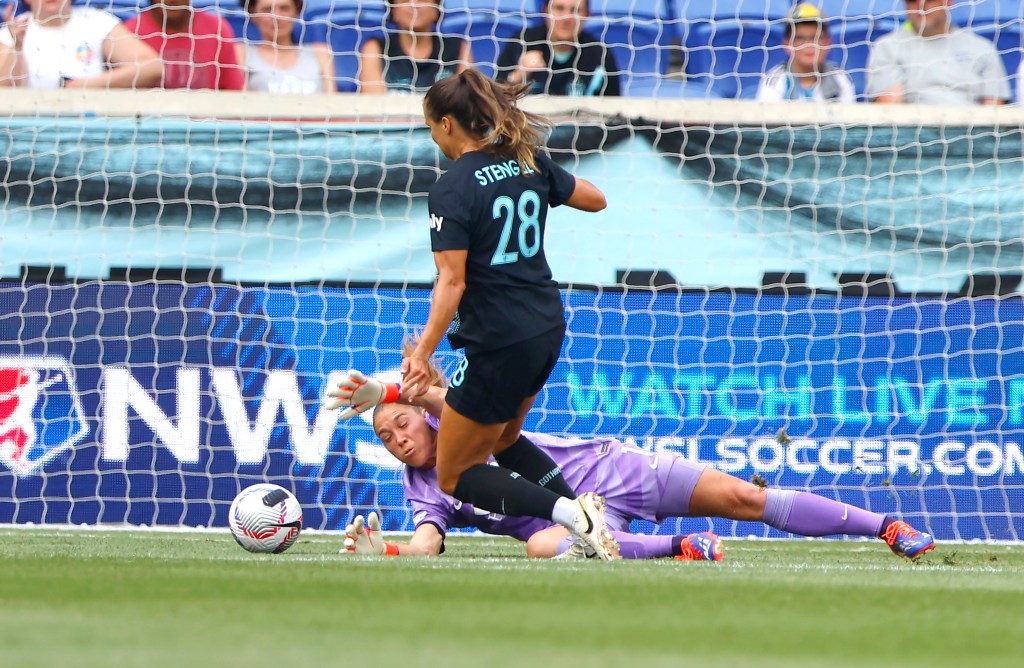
(1020, 83)
(73, 50)
(781, 84)
(956, 68)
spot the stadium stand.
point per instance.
(639, 34)
(487, 24)
(730, 43)
(345, 25)
(726, 44)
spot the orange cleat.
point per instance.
(704, 546)
(906, 541)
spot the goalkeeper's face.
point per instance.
(405, 433)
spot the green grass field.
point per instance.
(112, 599)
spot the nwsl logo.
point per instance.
(40, 414)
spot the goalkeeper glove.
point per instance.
(364, 537)
(359, 394)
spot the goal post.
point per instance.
(182, 273)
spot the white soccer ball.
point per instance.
(265, 518)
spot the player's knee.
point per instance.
(447, 482)
(534, 548)
(505, 440)
(749, 501)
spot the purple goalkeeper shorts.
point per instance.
(645, 485)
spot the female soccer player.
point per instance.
(637, 484)
(494, 296)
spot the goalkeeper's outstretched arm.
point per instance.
(363, 536)
(426, 541)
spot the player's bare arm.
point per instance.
(587, 197)
(451, 284)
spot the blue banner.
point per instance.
(154, 403)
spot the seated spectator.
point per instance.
(277, 64)
(56, 45)
(560, 57)
(411, 58)
(929, 60)
(197, 47)
(807, 75)
(1020, 84)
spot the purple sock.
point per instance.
(812, 515)
(635, 546)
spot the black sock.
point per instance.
(529, 461)
(885, 525)
(499, 490)
(677, 545)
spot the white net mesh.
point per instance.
(183, 271)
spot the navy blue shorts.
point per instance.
(489, 386)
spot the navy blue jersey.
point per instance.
(487, 206)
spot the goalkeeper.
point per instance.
(636, 484)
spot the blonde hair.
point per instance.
(487, 111)
(437, 377)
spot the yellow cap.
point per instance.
(805, 12)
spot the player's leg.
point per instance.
(463, 448)
(718, 494)
(518, 453)
(498, 387)
(557, 542)
(515, 451)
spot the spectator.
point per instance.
(807, 75)
(277, 64)
(56, 45)
(411, 58)
(197, 47)
(929, 60)
(560, 57)
(1020, 83)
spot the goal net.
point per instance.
(817, 297)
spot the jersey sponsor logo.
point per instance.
(436, 222)
(40, 412)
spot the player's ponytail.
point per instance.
(487, 111)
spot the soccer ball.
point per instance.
(265, 518)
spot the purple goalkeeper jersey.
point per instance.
(625, 475)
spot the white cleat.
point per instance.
(574, 552)
(591, 530)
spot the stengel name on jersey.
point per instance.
(493, 173)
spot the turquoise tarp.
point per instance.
(714, 206)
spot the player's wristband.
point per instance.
(391, 393)
(390, 549)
